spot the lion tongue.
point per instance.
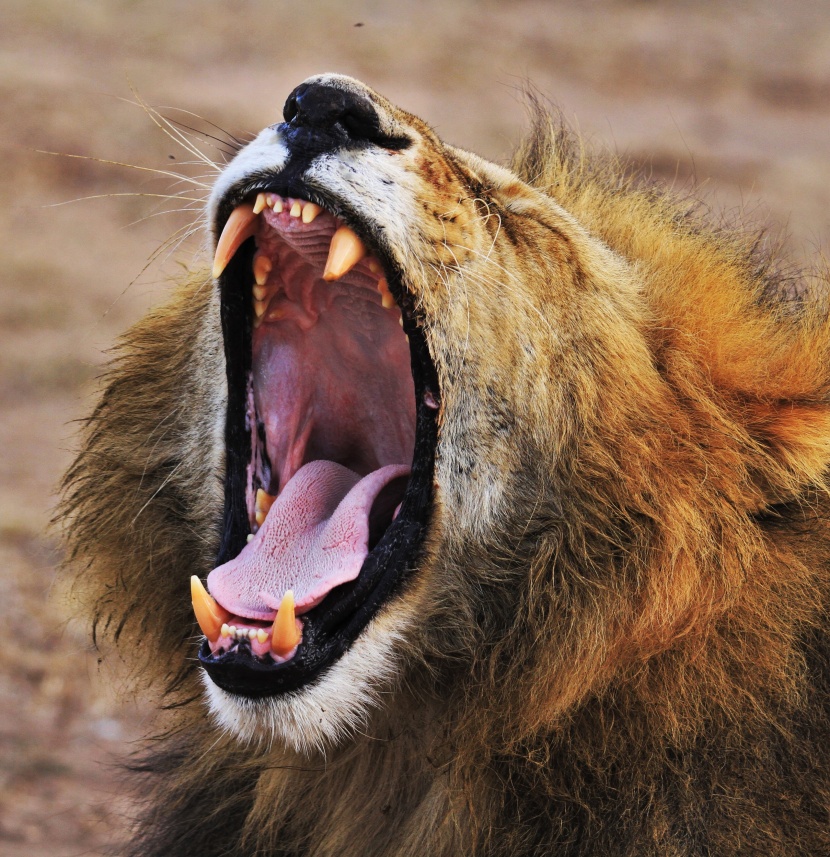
(315, 537)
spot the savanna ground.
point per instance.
(734, 95)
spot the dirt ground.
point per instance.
(734, 95)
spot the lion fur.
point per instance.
(630, 658)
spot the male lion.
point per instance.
(510, 492)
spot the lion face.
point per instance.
(366, 271)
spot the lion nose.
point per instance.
(323, 107)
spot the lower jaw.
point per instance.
(332, 627)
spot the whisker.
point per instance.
(130, 193)
(233, 139)
(172, 132)
(167, 173)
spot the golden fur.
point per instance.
(621, 642)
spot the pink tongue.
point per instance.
(315, 537)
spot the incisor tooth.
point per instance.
(345, 252)
(284, 635)
(310, 211)
(210, 615)
(241, 225)
(260, 203)
(296, 209)
(262, 268)
(262, 635)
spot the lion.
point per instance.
(466, 509)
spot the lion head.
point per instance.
(520, 473)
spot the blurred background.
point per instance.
(731, 96)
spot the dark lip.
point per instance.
(331, 627)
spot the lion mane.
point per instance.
(600, 621)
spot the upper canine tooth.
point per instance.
(310, 211)
(345, 252)
(284, 635)
(210, 615)
(241, 225)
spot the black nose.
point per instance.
(326, 108)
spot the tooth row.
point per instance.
(345, 251)
(307, 211)
(213, 621)
(244, 633)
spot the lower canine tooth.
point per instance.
(345, 252)
(210, 615)
(284, 635)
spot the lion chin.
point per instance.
(330, 710)
(466, 509)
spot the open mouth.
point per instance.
(330, 439)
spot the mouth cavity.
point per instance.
(330, 463)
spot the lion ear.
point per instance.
(775, 380)
(768, 361)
